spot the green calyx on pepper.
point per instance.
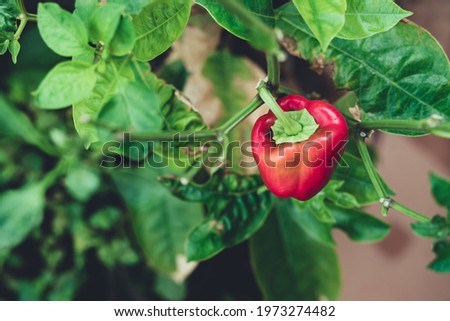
(298, 146)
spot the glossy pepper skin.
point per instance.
(302, 169)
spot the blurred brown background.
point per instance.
(395, 268)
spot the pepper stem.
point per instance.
(291, 127)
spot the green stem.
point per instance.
(386, 201)
(368, 164)
(291, 127)
(287, 91)
(409, 212)
(244, 113)
(32, 17)
(273, 71)
(23, 23)
(54, 174)
(419, 126)
(169, 136)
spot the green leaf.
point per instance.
(325, 18)
(308, 221)
(133, 108)
(104, 22)
(14, 49)
(4, 45)
(124, 39)
(8, 14)
(63, 32)
(440, 188)
(68, 83)
(236, 210)
(352, 172)
(247, 19)
(86, 112)
(319, 209)
(161, 222)
(177, 114)
(359, 226)
(82, 182)
(118, 251)
(304, 118)
(132, 6)
(15, 123)
(404, 66)
(437, 228)
(366, 18)
(87, 57)
(105, 218)
(339, 198)
(158, 26)
(21, 211)
(290, 265)
(8, 25)
(84, 10)
(442, 261)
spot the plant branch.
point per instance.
(22, 25)
(369, 165)
(407, 211)
(32, 17)
(55, 173)
(171, 136)
(435, 125)
(287, 91)
(273, 71)
(383, 194)
(419, 126)
(231, 123)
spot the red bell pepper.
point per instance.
(300, 169)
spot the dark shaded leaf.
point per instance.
(440, 188)
(290, 265)
(175, 73)
(237, 208)
(161, 222)
(442, 261)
